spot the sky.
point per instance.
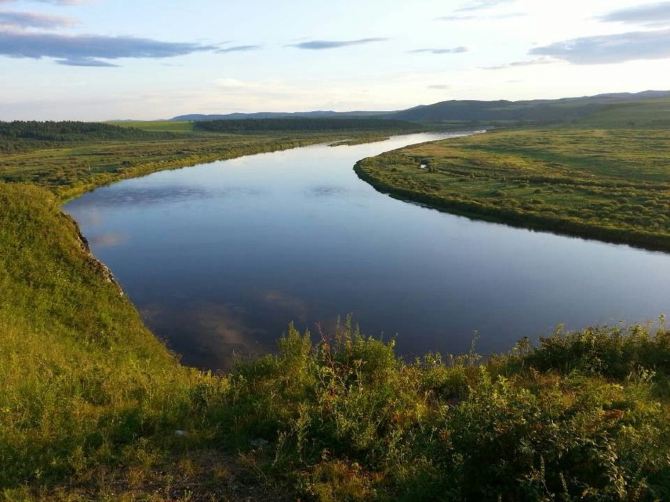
(155, 59)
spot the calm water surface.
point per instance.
(220, 257)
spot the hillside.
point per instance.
(622, 108)
(566, 110)
(649, 114)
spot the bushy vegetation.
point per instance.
(307, 124)
(607, 184)
(357, 423)
(27, 136)
(69, 169)
(66, 131)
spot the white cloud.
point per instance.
(656, 14)
(616, 48)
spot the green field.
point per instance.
(70, 167)
(607, 184)
(156, 125)
(94, 407)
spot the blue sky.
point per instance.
(148, 59)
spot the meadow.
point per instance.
(607, 184)
(156, 125)
(94, 407)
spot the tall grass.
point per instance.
(82, 381)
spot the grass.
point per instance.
(73, 168)
(182, 126)
(94, 407)
(611, 185)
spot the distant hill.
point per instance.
(614, 109)
(534, 111)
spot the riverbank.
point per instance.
(92, 406)
(69, 171)
(607, 185)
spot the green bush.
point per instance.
(354, 420)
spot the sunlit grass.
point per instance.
(157, 125)
(606, 184)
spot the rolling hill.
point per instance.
(612, 110)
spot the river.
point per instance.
(220, 257)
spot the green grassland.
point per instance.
(182, 126)
(607, 184)
(70, 158)
(69, 169)
(94, 407)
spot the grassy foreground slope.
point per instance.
(83, 383)
(607, 184)
(92, 406)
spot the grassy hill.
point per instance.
(643, 109)
(535, 112)
(651, 114)
(83, 384)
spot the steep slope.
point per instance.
(82, 381)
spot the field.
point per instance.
(607, 184)
(71, 167)
(157, 125)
